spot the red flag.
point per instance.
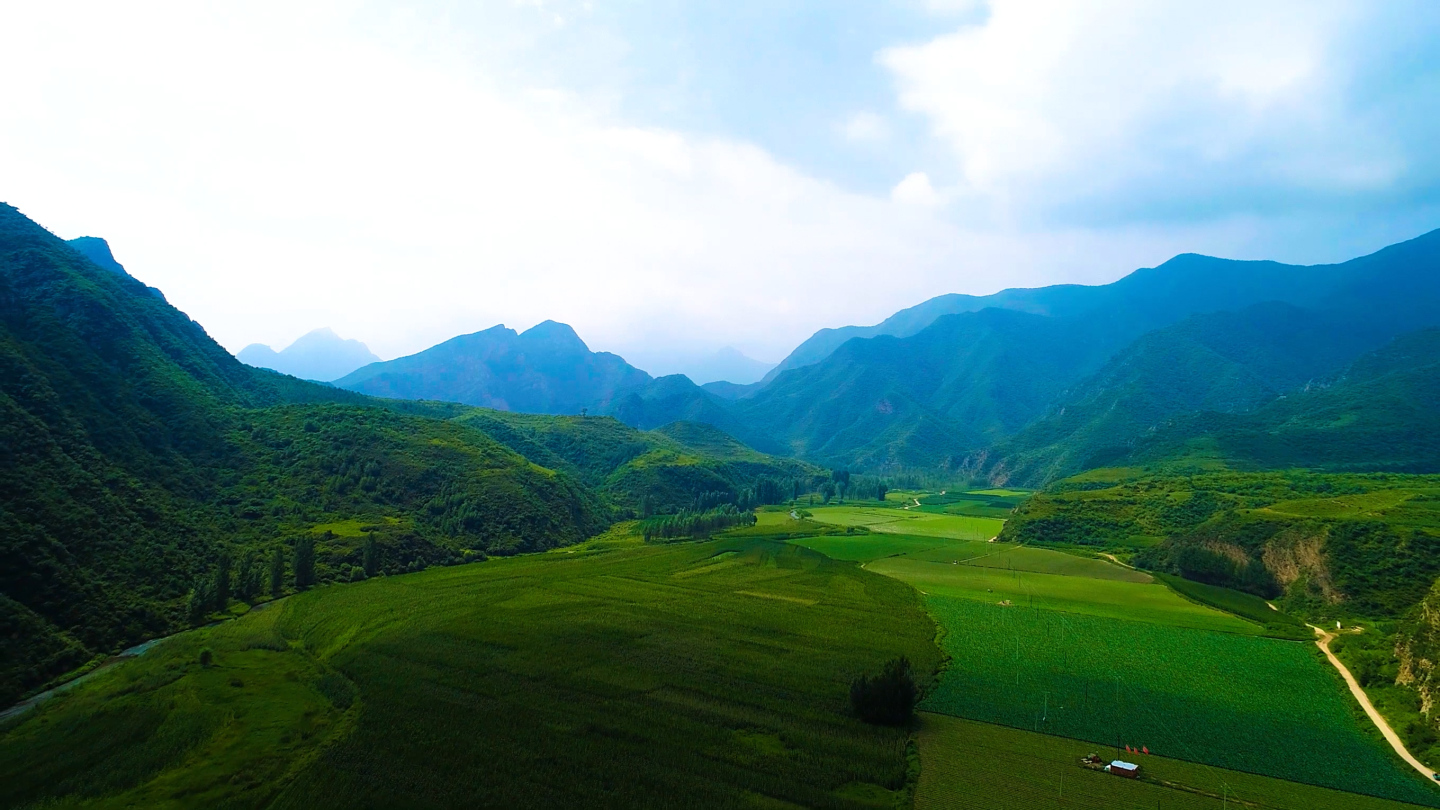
(1128, 749)
(1146, 747)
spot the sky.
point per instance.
(671, 178)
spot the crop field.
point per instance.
(700, 674)
(979, 766)
(911, 522)
(1047, 561)
(866, 547)
(1246, 703)
(1277, 624)
(992, 503)
(1106, 598)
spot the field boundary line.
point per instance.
(1374, 714)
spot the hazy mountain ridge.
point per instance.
(546, 369)
(319, 355)
(960, 387)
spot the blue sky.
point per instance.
(671, 177)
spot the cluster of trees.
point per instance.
(695, 524)
(213, 590)
(886, 699)
(843, 485)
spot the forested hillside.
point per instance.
(1046, 382)
(661, 470)
(144, 472)
(1382, 413)
(1226, 363)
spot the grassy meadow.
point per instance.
(708, 674)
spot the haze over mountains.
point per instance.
(319, 355)
(1022, 386)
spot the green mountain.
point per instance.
(138, 459)
(949, 396)
(662, 470)
(929, 399)
(545, 369)
(317, 355)
(1381, 413)
(1184, 285)
(1230, 362)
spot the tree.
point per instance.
(247, 577)
(202, 599)
(277, 572)
(222, 580)
(371, 556)
(888, 698)
(827, 491)
(880, 490)
(304, 562)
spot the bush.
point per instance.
(206, 657)
(888, 698)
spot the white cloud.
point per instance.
(275, 168)
(915, 189)
(272, 174)
(866, 127)
(1149, 110)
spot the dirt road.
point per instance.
(1390, 736)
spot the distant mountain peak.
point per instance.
(319, 354)
(556, 334)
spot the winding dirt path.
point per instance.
(1390, 736)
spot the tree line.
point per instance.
(696, 524)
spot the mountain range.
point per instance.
(1022, 386)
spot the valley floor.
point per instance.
(715, 674)
(1094, 654)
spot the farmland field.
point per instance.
(979, 766)
(1046, 561)
(911, 522)
(1076, 594)
(866, 547)
(698, 674)
(1252, 704)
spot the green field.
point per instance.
(979, 766)
(1107, 598)
(1102, 654)
(1046, 561)
(1253, 704)
(866, 547)
(708, 674)
(1276, 623)
(911, 522)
